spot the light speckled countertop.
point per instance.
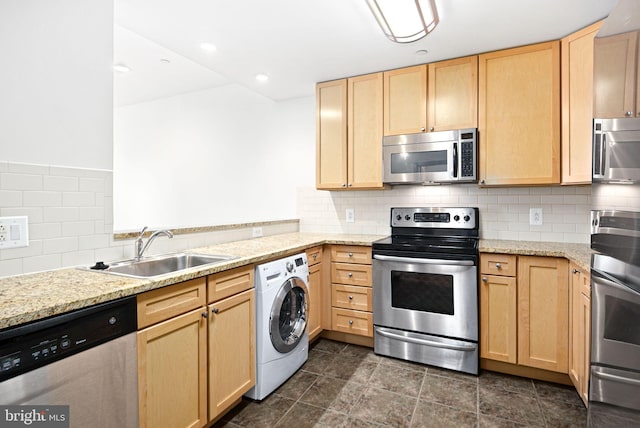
(30, 297)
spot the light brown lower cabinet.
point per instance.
(232, 352)
(524, 316)
(580, 331)
(314, 317)
(172, 372)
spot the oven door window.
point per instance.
(424, 292)
(620, 319)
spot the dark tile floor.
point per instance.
(349, 386)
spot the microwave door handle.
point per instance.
(455, 160)
(603, 153)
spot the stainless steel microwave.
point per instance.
(616, 150)
(432, 157)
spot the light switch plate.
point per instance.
(257, 232)
(535, 216)
(14, 232)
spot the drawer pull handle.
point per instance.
(498, 266)
(314, 256)
(484, 279)
(350, 274)
(350, 254)
(350, 297)
(350, 322)
(215, 310)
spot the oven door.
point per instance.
(424, 295)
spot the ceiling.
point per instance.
(300, 42)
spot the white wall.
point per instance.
(56, 82)
(218, 156)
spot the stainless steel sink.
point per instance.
(148, 267)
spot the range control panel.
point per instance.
(435, 218)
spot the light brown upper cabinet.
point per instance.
(453, 94)
(331, 134)
(349, 133)
(405, 100)
(577, 104)
(615, 82)
(519, 115)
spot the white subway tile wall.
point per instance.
(70, 214)
(504, 212)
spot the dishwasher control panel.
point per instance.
(42, 342)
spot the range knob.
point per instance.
(398, 217)
(289, 267)
(467, 218)
(456, 217)
(407, 217)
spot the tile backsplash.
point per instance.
(504, 212)
(70, 214)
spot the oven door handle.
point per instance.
(616, 378)
(427, 342)
(423, 261)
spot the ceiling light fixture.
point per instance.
(262, 77)
(207, 47)
(121, 68)
(405, 21)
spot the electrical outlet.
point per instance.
(257, 232)
(535, 216)
(350, 215)
(14, 232)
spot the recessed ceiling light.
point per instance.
(422, 52)
(121, 68)
(165, 61)
(207, 47)
(262, 77)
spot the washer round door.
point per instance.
(289, 315)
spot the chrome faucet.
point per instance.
(141, 247)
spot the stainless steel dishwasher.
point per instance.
(85, 359)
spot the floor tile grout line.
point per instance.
(415, 407)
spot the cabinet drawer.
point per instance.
(314, 255)
(354, 322)
(229, 282)
(164, 303)
(498, 264)
(350, 297)
(351, 254)
(352, 274)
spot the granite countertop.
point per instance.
(30, 297)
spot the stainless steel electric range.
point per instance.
(425, 288)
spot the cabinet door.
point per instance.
(331, 135)
(232, 355)
(453, 94)
(577, 105)
(586, 348)
(519, 115)
(498, 319)
(615, 75)
(405, 100)
(365, 132)
(543, 313)
(315, 300)
(172, 372)
(576, 327)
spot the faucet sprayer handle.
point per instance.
(144, 229)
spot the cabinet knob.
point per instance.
(215, 310)
(628, 113)
(575, 271)
(350, 322)
(498, 266)
(350, 184)
(422, 129)
(205, 315)
(484, 279)
(482, 181)
(314, 256)
(431, 129)
(350, 274)
(350, 254)
(343, 185)
(350, 297)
